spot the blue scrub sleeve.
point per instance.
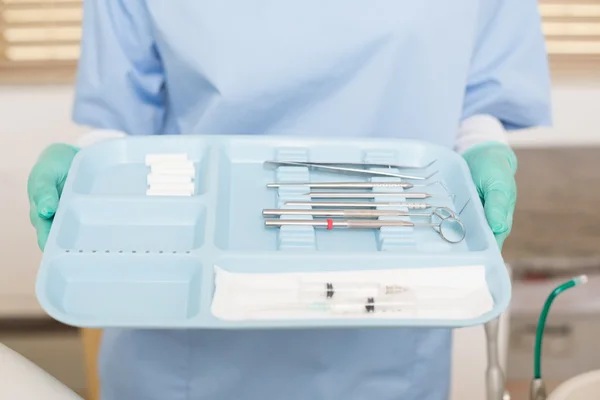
(120, 81)
(509, 76)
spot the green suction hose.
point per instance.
(538, 391)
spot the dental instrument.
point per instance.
(349, 185)
(537, 387)
(359, 204)
(357, 213)
(371, 195)
(333, 168)
(446, 228)
(369, 165)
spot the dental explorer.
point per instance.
(359, 204)
(371, 195)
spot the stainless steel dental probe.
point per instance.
(370, 195)
(349, 185)
(346, 170)
(359, 204)
(355, 213)
(444, 228)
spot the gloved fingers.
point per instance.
(500, 238)
(499, 206)
(42, 226)
(43, 192)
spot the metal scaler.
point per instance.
(360, 204)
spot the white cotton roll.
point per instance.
(157, 179)
(166, 158)
(173, 170)
(171, 189)
(159, 192)
(173, 186)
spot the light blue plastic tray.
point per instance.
(118, 258)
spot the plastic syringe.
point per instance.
(318, 291)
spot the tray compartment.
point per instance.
(455, 179)
(267, 262)
(118, 167)
(294, 237)
(497, 281)
(153, 225)
(239, 204)
(391, 238)
(128, 288)
(240, 200)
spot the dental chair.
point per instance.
(23, 380)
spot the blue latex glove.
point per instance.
(45, 185)
(493, 166)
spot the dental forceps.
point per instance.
(449, 227)
(339, 167)
(372, 165)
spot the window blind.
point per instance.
(572, 31)
(39, 39)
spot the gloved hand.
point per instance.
(493, 166)
(45, 185)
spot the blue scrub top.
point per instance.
(342, 68)
(347, 68)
